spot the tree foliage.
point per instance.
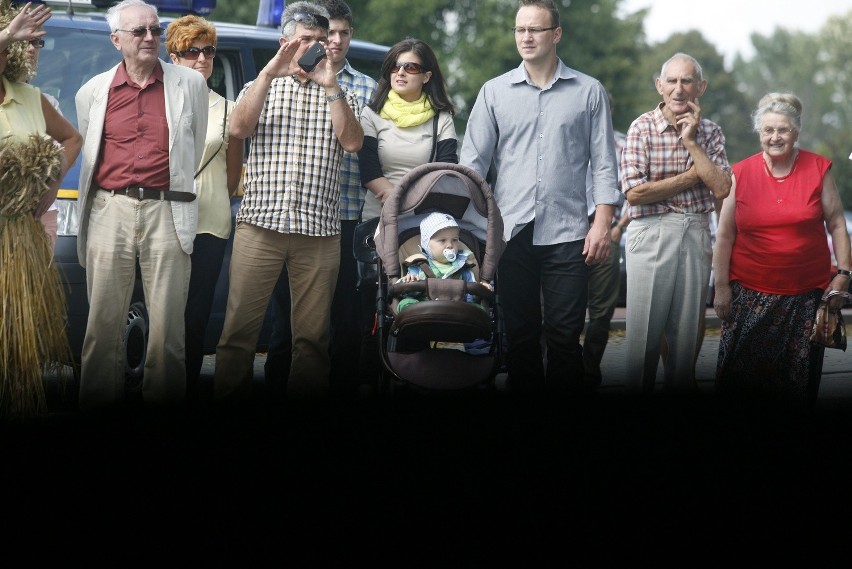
(236, 11)
(818, 69)
(474, 43)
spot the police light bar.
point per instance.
(198, 7)
(269, 13)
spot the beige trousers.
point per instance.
(120, 230)
(256, 262)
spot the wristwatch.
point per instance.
(332, 98)
(844, 272)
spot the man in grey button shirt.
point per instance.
(533, 133)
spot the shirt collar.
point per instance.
(12, 91)
(122, 77)
(661, 123)
(347, 69)
(519, 74)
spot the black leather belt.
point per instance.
(152, 194)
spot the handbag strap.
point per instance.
(221, 144)
(846, 296)
(434, 137)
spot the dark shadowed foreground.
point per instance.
(439, 481)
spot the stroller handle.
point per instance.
(423, 287)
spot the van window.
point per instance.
(370, 64)
(227, 77)
(262, 55)
(68, 59)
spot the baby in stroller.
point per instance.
(442, 255)
(458, 307)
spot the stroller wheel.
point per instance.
(388, 386)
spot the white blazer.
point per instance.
(186, 114)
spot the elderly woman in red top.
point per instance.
(772, 263)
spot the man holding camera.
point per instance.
(345, 314)
(300, 122)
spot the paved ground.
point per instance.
(836, 384)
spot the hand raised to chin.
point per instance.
(688, 122)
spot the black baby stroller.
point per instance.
(412, 342)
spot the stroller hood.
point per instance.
(453, 188)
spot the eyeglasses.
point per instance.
(769, 131)
(141, 31)
(410, 67)
(37, 43)
(312, 20)
(209, 52)
(532, 31)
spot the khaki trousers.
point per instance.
(120, 230)
(256, 262)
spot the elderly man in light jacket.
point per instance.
(144, 124)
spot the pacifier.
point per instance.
(450, 255)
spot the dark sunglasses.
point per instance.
(313, 20)
(410, 67)
(37, 43)
(209, 51)
(139, 32)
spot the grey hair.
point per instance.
(113, 15)
(786, 104)
(677, 56)
(288, 28)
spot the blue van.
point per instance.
(77, 47)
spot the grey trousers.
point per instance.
(668, 269)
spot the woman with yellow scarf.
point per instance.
(408, 122)
(399, 125)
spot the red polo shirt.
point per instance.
(135, 143)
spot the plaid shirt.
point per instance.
(351, 192)
(292, 178)
(654, 151)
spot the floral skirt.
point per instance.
(765, 350)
